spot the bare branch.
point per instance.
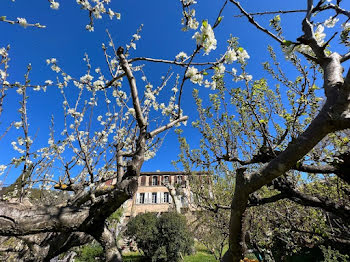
(274, 12)
(256, 24)
(132, 82)
(164, 61)
(168, 126)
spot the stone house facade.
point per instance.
(160, 192)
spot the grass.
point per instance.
(202, 255)
(132, 257)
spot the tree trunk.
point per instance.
(106, 238)
(239, 203)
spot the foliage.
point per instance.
(331, 255)
(89, 253)
(254, 136)
(143, 228)
(163, 238)
(211, 230)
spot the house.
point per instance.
(160, 192)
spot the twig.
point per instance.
(274, 12)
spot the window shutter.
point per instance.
(137, 198)
(150, 180)
(147, 198)
(158, 180)
(159, 200)
(143, 180)
(170, 199)
(170, 180)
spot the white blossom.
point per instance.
(242, 54)
(206, 38)
(86, 78)
(188, 2)
(220, 69)
(230, 56)
(98, 84)
(2, 74)
(55, 5)
(18, 124)
(319, 34)
(89, 28)
(191, 71)
(2, 169)
(136, 37)
(22, 22)
(133, 45)
(330, 22)
(3, 52)
(181, 56)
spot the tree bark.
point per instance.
(106, 238)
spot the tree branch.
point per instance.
(167, 126)
(256, 24)
(132, 83)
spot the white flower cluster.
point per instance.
(188, 2)
(230, 56)
(3, 75)
(18, 124)
(3, 52)
(97, 10)
(2, 169)
(22, 22)
(54, 5)
(244, 76)
(242, 54)
(330, 22)
(181, 56)
(189, 21)
(319, 34)
(192, 73)
(86, 79)
(219, 70)
(206, 38)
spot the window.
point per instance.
(166, 180)
(166, 197)
(179, 179)
(154, 198)
(143, 181)
(142, 198)
(154, 181)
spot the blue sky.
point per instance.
(66, 39)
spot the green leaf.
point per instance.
(2, 18)
(205, 23)
(287, 42)
(220, 19)
(205, 73)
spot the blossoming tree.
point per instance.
(111, 124)
(110, 127)
(264, 139)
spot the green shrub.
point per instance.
(161, 239)
(91, 252)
